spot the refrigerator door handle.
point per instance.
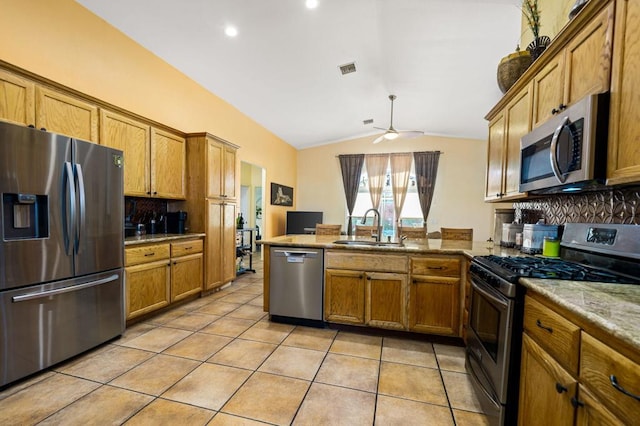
(69, 217)
(41, 294)
(81, 227)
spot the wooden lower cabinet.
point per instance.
(159, 274)
(546, 389)
(344, 296)
(386, 300)
(434, 295)
(186, 269)
(551, 393)
(147, 287)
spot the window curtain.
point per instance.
(377, 172)
(400, 169)
(426, 163)
(351, 166)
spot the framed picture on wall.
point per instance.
(281, 195)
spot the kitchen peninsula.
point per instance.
(415, 285)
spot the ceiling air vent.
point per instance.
(367, 121)
(348, 68)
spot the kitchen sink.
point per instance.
(369, 243)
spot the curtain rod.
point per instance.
(389, 153)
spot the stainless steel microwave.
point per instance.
(569, 151)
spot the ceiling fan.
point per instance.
(391, 133)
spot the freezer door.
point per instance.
(34, 190)
(99, 242)
(45, 324)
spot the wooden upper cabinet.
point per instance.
(623, 160)
(221, 170)
(168, 164)
(66, 115)
(132, 138)
(547, 90)
(495, 151)
(503, 159)
(583, 67)
(17, 99)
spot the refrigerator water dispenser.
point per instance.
(25, 216)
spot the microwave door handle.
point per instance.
(553, 151)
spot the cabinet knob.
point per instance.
(155, 192)
(560, 388)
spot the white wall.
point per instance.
(458, 198)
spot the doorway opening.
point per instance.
(252, 182)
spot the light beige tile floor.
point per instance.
(218, 360)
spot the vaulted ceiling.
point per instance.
(282, 69)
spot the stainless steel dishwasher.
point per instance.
(296, 279)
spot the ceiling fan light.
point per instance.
(391, 135)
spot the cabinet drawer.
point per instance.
(366, 262)
(599, 367)
(184, 248)
(558, 336)
(136, 255)
(438, 266)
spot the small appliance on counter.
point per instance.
(176, 222)
(533, 235)
(509, 233)
(502, 216)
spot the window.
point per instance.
(411, 214)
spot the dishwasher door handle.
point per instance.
(289, 253)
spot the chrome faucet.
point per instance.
(376, 214)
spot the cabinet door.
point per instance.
(548, 89)
(434, 305)
(132, 138)
(623, 161)
(213, 267)
(17, 99)
(229, 242)
(65, 115)
(546, 388)
(221, 244)
(168, 159)
(495, 152)
(344, 296)
(591, 412)
(588, 58)
(215, 153)
(518, 124)
(386, 300)
(147, 287)
(186, 276)
(229, 173)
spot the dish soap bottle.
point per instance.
(239, 221)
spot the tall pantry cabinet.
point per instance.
(211, 203)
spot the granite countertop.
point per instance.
(159, 238)
(410, 246)
(614, 308)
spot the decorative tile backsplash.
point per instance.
(620, 205)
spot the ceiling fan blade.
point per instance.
(410, 133)
(379, 139)
(380, 128)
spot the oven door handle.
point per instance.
(493, 298)
(553, 151)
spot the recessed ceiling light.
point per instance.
(311, 4)
(231, 31)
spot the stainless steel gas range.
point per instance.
(589, 252)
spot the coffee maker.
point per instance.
(176, 222)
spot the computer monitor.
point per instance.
(297, 221)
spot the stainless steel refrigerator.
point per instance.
(62, 248)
